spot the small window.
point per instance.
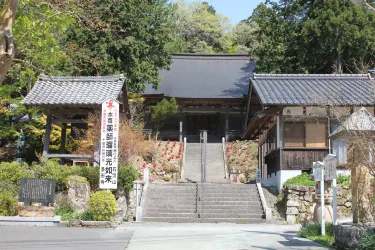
(294, 134)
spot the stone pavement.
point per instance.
(62, 238)
(216, 236)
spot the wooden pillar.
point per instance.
(63, 138)
(47, 137)
(354, 194)
(226, 125)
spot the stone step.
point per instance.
(231, 199)
(172, 215)
(243, 203)
(207, 214)
(205, 220)
(163, 207)
(242, 210)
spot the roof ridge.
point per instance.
(226, 56)
(80, 78)
(312, 76)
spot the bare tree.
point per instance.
(6, 38)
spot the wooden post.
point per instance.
(47, 137)
(226, 125)
(63, 138)
(354, 194)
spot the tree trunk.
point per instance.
(6, 38)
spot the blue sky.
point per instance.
(236, 10)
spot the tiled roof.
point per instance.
(310, 89)
(83, 91)
(205, 76)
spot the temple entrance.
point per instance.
(210, 122)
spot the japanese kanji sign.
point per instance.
(318, 168)
(330, 163)
(109, 145)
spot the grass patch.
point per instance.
(300, 180)
(70, 215)
(312, 231)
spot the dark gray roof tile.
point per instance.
(205, 76)
(83, 91)
(314, 89)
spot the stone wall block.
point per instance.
(292, 210)
(35, 211)
(79, 194)
(121, 209)
(349, 235)
(308, 197)
(292, 203)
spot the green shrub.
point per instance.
(86, 216)
(92, 175)
(301, 180)
(76, 178)
(8, 186)
(102, 205)
(7, 204)
(52, 169)
(368, 240)
(343, 180)
(14, 171)
(126, 176)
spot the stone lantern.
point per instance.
(359, 130)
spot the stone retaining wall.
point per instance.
(299, 203)
(349, 235)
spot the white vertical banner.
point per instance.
(330, 163)
(109, 145)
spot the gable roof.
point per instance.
(313, 89)
(359, 121)
(82, 91)
(205, 76)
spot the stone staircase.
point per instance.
(182, 202)
(214, 163)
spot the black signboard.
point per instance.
(37, 190)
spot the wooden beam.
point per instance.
(47, 137)
(69, 156)
(68, 121)
(71, 112)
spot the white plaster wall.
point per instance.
(293, 111)
(316, 111)
(284, 175)
(270, 181)
(340, 111)
(277, 179)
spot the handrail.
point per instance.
(138, 200)
(183, 160)
(266, 209)
(196, 199)
(226, 171)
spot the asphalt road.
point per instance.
(63, 238)
(216, 236)
(155, 236)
